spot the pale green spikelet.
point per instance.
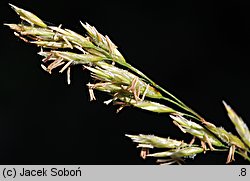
(239, 124)
(156, 141)
(178, 153)
(28, 16)
(196, 130)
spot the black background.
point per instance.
(199, 51)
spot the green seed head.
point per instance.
(29, 17)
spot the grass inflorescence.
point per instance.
(62, 48)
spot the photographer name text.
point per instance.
(41, 172)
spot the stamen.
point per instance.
(192, 141)
(55, 36)
(229, 157)
(138, 94)
(68, 75)
(91, 92)
(67, 41)
(120, 108)
(80, 48)
(22, 38)
(44, 67)
(207, 123)
(233, 151)
(66, 65)
(144, 152)
(209, 143)
(132, 88)
(204, 146)
(179, 126)
(55, 64)
(145, 92)
(108, 101)
(47, 58)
